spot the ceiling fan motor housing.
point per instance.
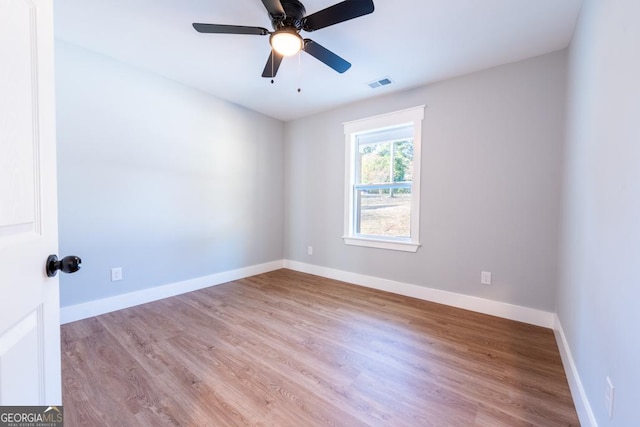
(294, 14)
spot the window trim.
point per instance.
(410, 116)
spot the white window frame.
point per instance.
(411, 116)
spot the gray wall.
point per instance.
(162, 180)
(491, 168)
(600, 269)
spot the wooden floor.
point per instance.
(291, 349)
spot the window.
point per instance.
(382, 196)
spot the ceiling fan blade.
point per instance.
(274, 7)
(273, 63)
(325, 55)
(230, 29)
(337, 13)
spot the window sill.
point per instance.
(393, 245)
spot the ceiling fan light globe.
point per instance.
(286, 43)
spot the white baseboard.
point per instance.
(583, 407)
(118, 302)
(481, 305)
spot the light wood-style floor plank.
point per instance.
(291, 349)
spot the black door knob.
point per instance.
(68, 264)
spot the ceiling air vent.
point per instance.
(381, 82)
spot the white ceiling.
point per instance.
(414, 42)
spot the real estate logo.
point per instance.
(31, 416)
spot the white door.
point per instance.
(29, 300)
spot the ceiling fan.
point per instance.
(288, 19)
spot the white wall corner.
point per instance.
(581, 402)
(467, 302)
(118, 302)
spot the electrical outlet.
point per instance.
(608, 397)
(116, 274)
(309, 250)
(485, 277)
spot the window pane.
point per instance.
(403, 161)
(375, 163)
(384, 162)
(384, 212)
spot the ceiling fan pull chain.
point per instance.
(299, 70)
(272, 66)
